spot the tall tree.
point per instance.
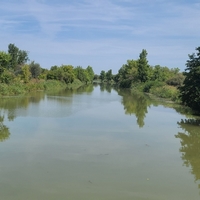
(18, 57)
(143, 67)
(90, 73)
(190, 91)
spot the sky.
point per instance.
(101, 33)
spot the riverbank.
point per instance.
(159, 90)
(20, 88)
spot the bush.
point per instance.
(6, 77)
(54, 85)
(148, 85)
(165, 92)
(177, 80)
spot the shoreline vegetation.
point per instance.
(16, 89)
(18, 78)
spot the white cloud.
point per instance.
(104, 33)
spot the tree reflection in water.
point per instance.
(190, 145)
(106, 87)
(136, 104)
(8, 107)
(4, 130)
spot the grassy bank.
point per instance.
(159, 89)
(20, 88)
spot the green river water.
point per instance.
(97, 143)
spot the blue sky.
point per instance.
(101, 33)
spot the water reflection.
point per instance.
(4, 130)
(9, 105)
(190, 145)
(66, 96)
(136, 104)
(60, 103)
(106, 87)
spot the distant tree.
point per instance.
(63, 73)
(55, 67)
(109, 75)
(35, 69)
(127, 74)
(143, 67)
(190, 91)
(81, 74)
(90, 73)
(102, 75)
(68, 73)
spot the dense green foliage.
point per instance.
(190, 91)
(158, 80)
(18, 77)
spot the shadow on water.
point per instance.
(190, 145)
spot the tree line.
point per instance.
(183, 87)
(162, 81)
(139, 71)
(14, 66)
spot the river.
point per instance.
(98, 143)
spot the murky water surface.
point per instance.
(97, 143)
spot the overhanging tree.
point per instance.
(190, 91)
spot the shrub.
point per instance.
(165, 92)
(148, 85)
(177, 80)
